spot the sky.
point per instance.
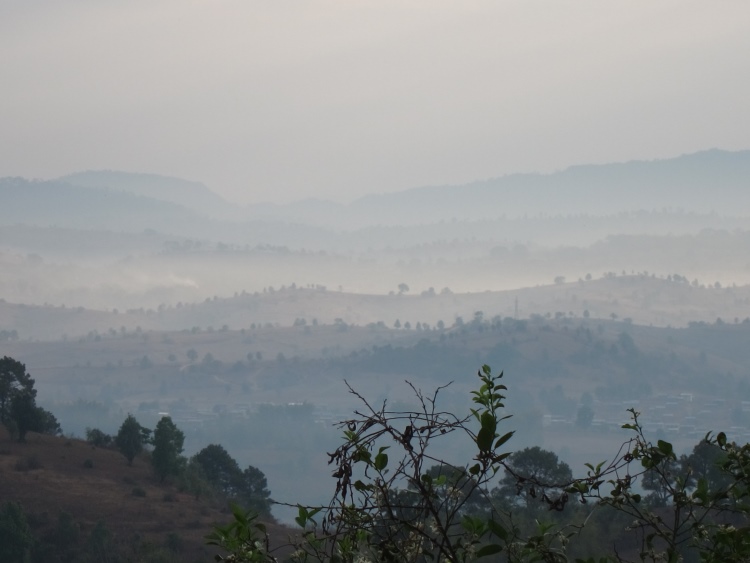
(282, 100)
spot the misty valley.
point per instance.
(594, 290)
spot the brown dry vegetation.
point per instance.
(60, 482)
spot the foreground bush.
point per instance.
(395, 500)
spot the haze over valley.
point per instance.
(139, 293)
(227, 228)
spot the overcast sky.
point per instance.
(280, 100)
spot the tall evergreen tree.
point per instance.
(168, 442)
(130, 438)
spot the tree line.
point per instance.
(212, 473)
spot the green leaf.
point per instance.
(502, 456)
(484, 439)
(488, 421)
(301, 518)
(665, 447)
(490, 549)
(473, 524)
(381, 461)
(504, 438)
(497, 529)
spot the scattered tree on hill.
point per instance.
(168, 441)
(14, 380)
(253, 491)
(219, 468)
(47, 423)
(24, 414)
(130, 438)
(18, 409)
(97, 438)
(248, 488)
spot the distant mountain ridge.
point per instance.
(193, 195)
(712, 180)
(708, 181)
(704, 182)
(57, 203)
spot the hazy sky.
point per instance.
(280, 100)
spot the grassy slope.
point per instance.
(105, 493)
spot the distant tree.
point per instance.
(704, 462)
(253, 491)
(530, 477)
(130, 438)
(397, 324)
(402, 288)
(193, 480)
(220, 469)
(47, 423)
(247, 488)
(98, 438)
(18, 408)
(449, 481)
(192, 354)
(14, 380)
(660, 481)
(168, 442)
(585, 416)
(24, 414)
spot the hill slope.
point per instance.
(49, 476)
